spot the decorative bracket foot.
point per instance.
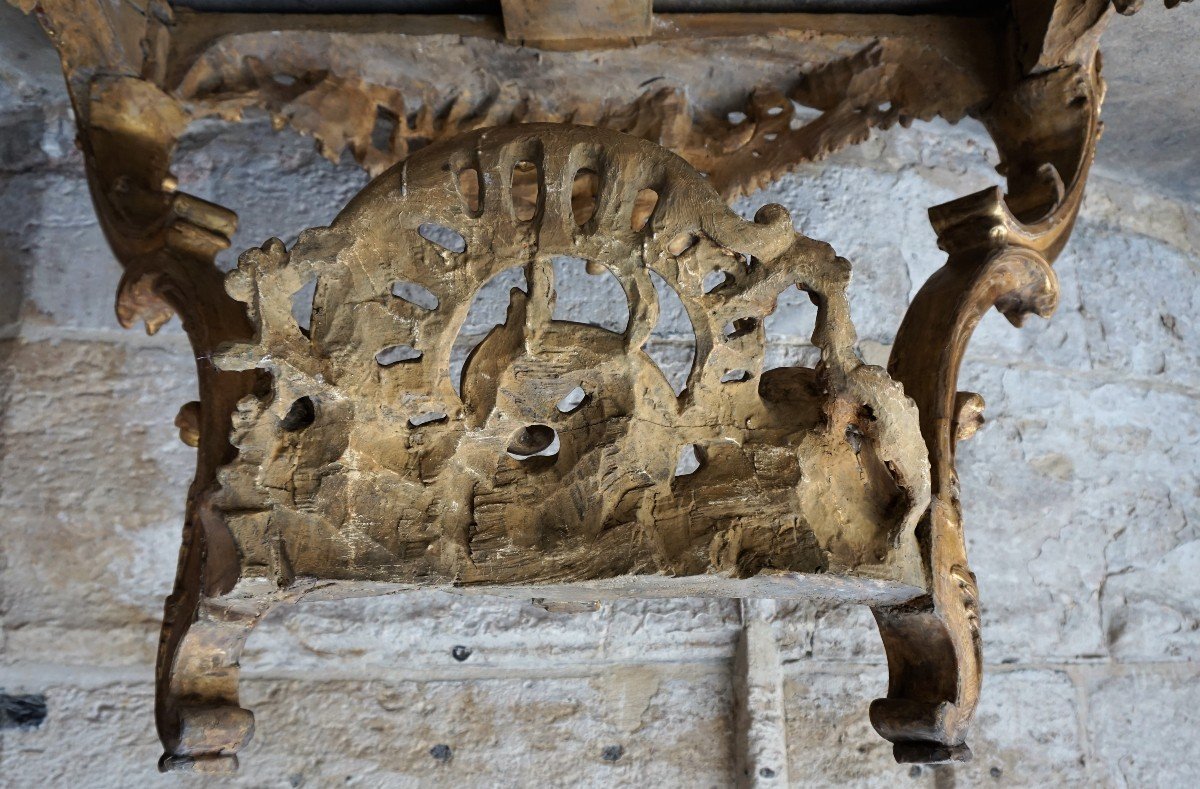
(299, 497)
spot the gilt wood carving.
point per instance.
(322, 471)
(363, 462)
(555, 472)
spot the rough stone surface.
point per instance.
(1139, 725)
(621, 727)
(1145, 57)
(1081, 497)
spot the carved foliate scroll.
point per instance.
(554, 469)
(557, 460)
(1000, 248)
(363, 461)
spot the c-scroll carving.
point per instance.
(1000, 249)
(118, 61)
(166, 242)
(933, 647)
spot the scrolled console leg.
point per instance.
(166, 241)
(933, 644)
(999, 249)
(200, 720)
(934, 663)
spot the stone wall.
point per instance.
(1080, 494)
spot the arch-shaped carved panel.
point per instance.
(361, 462)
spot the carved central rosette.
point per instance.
(557, 459)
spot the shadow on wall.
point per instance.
(20, 207)
(29, 71)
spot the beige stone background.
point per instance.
(1081, 499)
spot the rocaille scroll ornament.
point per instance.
(364, 462)
(553, 469)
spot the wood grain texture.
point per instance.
(336, 456)
(395, 477)
(532, 21)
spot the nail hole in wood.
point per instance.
(300, 415)
(739, 327)
(533, 441)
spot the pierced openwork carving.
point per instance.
(557, 462)
(341, 451)
(557, 470)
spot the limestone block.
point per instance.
(829, 734)
(626, 727)
(1140, 724)
(823, 632)
(1108, 472)
(440, 631)
(94, 481)
(1027, 733)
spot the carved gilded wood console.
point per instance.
(336, 455)
(554, 474)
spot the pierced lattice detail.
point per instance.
(362, 462)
